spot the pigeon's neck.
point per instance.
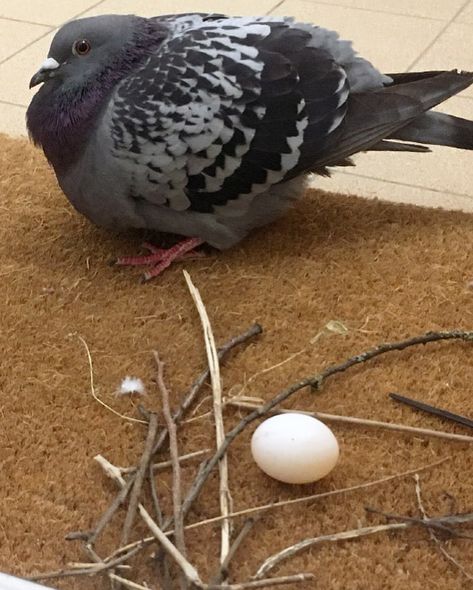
(62, 120)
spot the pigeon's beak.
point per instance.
(46, 71)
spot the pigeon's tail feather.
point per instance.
(378, 115)
(397, 146)
(438, 129)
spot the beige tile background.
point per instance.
(397, 35)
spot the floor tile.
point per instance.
(436, 9)
(375, 35)
(49, 12)
(453, 49)
(147, 8)
(16, 35)
(388, 191)
(466, 15)
(19, 69)
(12, 119)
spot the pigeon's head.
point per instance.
(83, 48)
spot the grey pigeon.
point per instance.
(207, 126)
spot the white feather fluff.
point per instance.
(131, 385)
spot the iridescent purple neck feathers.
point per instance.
(61, 120)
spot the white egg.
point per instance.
(294, 448)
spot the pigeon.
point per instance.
(208, 126)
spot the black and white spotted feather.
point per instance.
(212, 131)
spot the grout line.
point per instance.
(374, 10)
(274, 7)
(13, 104)
(398, 183)
(51, 28)
(438, 35)
(28, 22)
(86, 10)
(27, 45)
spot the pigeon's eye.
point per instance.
(81, 47)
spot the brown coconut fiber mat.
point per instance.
(385, 272)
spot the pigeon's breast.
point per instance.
(98, 188)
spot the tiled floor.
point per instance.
(396, 35)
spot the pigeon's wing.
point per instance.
(223, 110)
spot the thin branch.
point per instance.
(274, 560)
(154, 496)
(166, 464)
(224, 566)
(317, 380)
(360, 421)
(445, 414)
(128, 583)
(186, 403)
(264, 507)
(91, 536)
(265, 583)
(314, 381)
(97, 568)
(139, 477)
(431, 524)
(319, 496)
(212, 358)
(251, 332)
(434, 537)
(174, 451)
(92, 387)
(188, 569)
(195, 388)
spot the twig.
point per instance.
(176, 468)
(195, 388)
(186, 403)
(212, 357)
(166, 464)
(97, 568)
(91, 536)
(428, 525)
(188, 569)
(160, 557)
(264, 507)
(252, 331)
(314, 381)
(274, 560)
(265, 583)
(434, 537)
(128, 583)
(154, 496)
(223, 570)
(360, 421)
(319, 496)
(139, 478)
(426, 338)
(92, 387)
(457, 418)
(431, 524)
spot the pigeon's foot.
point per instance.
(160, 258)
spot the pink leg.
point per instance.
(192, 254)
(161, 258)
